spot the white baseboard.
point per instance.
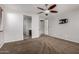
(1, 45)
(64, 38)
(36, 36)
(57, 36)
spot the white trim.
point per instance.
(1, 45)
(63, 38)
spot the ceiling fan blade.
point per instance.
(51, 7)
(40, 12)
(54, 11)
(40, 8)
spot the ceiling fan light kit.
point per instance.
(46, 11)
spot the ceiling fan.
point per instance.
(48, 9)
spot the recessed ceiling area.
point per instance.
(32, 8)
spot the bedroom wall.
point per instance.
(35, 26)
(68, 31)
(13, 27)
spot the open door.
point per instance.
(27, 32)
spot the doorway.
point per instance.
(42, 27)
(27, 28)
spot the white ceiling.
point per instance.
(32, 8)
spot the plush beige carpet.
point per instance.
(41, 45)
